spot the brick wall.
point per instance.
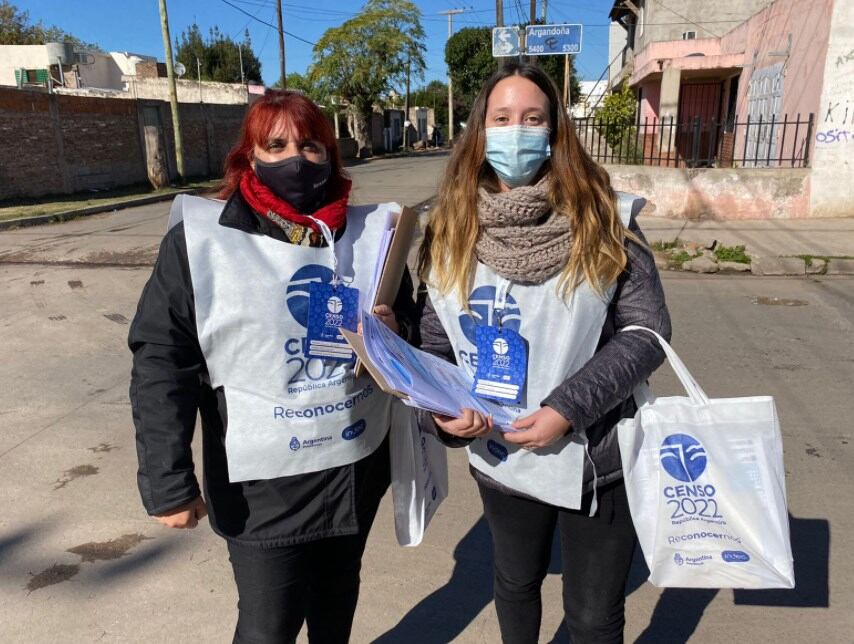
(55, 144)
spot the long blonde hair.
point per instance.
(580, 189)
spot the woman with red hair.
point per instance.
(239, 323)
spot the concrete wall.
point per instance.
(717, 193)
(833, 172)
(664, 24)
(60, 144)
(188, 91)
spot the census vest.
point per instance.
(562, 335)
(287, 414)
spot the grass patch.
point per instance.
(808, 259)
(681, 257)
(732, 254)
(53, 204)
(661, 245)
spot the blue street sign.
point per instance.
(551, 40)
(506, 42)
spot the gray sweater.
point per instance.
(599, 394)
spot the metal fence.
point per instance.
(754, 143)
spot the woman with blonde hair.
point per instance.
(532, 266)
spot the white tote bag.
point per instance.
(419, 475)
(706, 487)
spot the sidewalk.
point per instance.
(775, 246)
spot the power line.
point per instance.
(269, 24)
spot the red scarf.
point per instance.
(262, 200)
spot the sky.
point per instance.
(134, 25)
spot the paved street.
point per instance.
(81, 562)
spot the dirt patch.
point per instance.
(118, 318)
(102, 447)
(36, 282)
(107, 550)
(778, 301)
(74, 473)
(72, 284)
(57, 318)
(56, 574)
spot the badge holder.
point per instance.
(502, 358)
(331, 307)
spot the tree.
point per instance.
(369, 55)
(468, 55)
(16, 29)
(618, 114)
(219, 56)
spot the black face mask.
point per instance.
(297, 180)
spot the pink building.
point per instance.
(749, 97)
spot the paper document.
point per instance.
(420, 379)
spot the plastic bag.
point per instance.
(419, 475)
(706, 487)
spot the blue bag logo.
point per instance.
(296, 294)
(353, 431)
(678, 560)
(483, 313)
(683, 457)
(735, 556)
(497, 450)
(294, 444)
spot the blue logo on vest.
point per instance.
(678, 560)
(683, 457)
(353, 431)
(735, 556)
(497, 450)
(294, 444)
(296, 295)
(483, 313)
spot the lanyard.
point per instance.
(501, 292)
(329, 238)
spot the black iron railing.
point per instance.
(697, 143)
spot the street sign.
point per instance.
(506, 41)
(550, 40)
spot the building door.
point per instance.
(699, 123)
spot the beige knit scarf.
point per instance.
(521, 238)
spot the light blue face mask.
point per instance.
(516, 152)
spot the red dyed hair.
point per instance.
(308, 122)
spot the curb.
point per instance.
(765, 266)
(67, 215)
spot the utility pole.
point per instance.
(566, 79)
(406, 103)
(533, 11)
(173, 92)
(545, 12)
(451, 13)
(281, 44)
(499, 13)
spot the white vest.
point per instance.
(287, 414)
(562, 335)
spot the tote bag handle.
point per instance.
(695, 392)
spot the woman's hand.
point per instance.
(184, 516)
(384, 313)
(471, 424)
(542, 428)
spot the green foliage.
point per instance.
(434, 95)
(370, 54)
(468, 54)
(732, 254)
(618, 112)
(16, 29)
(219, 56)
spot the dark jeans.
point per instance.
(280, 588)
(596, 554)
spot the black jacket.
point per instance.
(168, 388)
(599, 394)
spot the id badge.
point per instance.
(331, 308)
(502, 364)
